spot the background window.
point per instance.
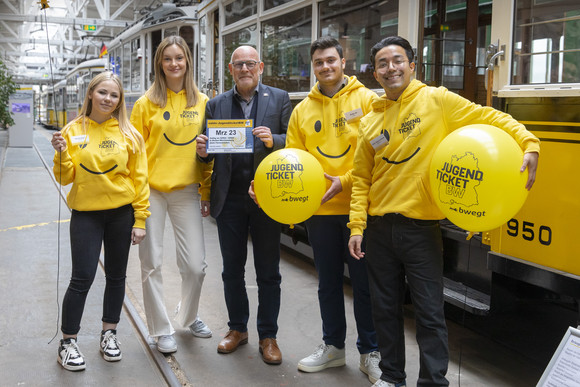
(126, 67)
(358, 25)
(136, 66)
(244, 37)
(286, 50)
(547, 34)
(274, 3)
(240, 9)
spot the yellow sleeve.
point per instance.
(361, 183)
(138, 118)
(459, 112)
(367, 106)
(294, 135)
(138, 164)
(346, 180)
(206, 167)
(205, 184)
(63, 168)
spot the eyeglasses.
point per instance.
(395, 63)
(250, 64)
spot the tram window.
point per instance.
(358, 27)
(286, 50)
(203, 58)
(115, 61)
(186, 33)
(170, 32)
(126, 66)
(155, 40)
(274, 3)
(546, 42)
(240, 9)
(136, 65)
(248, 37)
(71, 89)
(453, 59)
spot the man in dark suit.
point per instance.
(236, 213)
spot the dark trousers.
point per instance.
(239, 216)
(399, 246)
(89, 230)
(328, 236)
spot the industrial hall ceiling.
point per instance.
(40, 44)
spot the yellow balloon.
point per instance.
(475, 177)
(289, 185)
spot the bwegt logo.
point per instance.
(458, 182)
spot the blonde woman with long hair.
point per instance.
(104, 158)
(170, 117)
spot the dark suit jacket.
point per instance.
(274, 111)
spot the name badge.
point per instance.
(380, 141)
(353, 115)
(80, 139)
(230, 136)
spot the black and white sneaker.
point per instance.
(70, 356)
(110, 345)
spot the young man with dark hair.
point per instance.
(326, 125)
(391, 202)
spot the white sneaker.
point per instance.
(70, 356)
(382, 383)
(324, 356)
(199, 329)
(166, 344)
(110, 346)
(369, 364)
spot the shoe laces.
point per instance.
(71, 351)
(374, 358)
(110, 341)
(199, 326)
(320, 350)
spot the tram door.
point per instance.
(454, 39)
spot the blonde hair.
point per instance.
(157, 93)
(120, 112)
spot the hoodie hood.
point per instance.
(382, 102)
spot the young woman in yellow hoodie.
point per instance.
(104, 158)
(170, 116)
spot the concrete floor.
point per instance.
(28, 269)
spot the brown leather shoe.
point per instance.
(232, 340)
(270, 352)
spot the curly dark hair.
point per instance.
(396, 40)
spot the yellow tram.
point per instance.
(521, 56)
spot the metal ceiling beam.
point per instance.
(65, 20)
(45, 55)
(53, 42)
(9, 5)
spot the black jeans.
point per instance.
(239, 217)
(88, 231)
(399, 247)
(328, 236)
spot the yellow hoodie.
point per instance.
(395, 178)
(319, 125)
(169, 135)
(105, 172)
